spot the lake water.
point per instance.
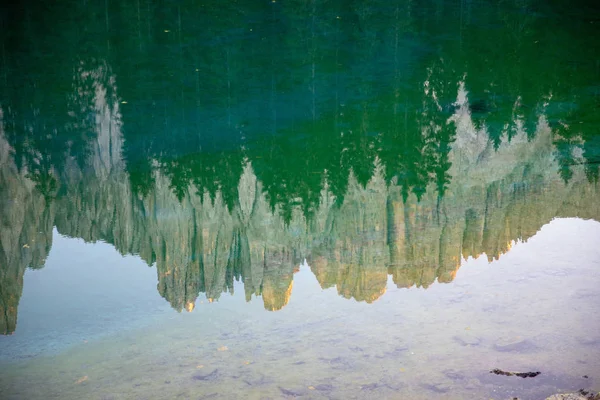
(299, 199)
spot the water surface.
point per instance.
(321, 199)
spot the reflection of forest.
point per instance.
(199, 244)
(238, 160)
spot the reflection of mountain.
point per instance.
(199, 244)
(226, 158)
(493, 200)
(26, 221)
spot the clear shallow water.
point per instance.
(103, 293)
(529, 310)
(288, 199)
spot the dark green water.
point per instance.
(356, 199)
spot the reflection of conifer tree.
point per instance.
(565, 142)
(591, 155)
(358, 152)
(227, 173)
(179, 178)
(586, 120)
(500, 96)
(172, 96)
(439, 131)
(401, 146)
(140, 174)
(564, 156)
(522, 76)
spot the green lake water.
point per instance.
(299, 199)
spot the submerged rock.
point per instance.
(208, 377)
(515, 345)
(467, 340)
(590, 340)
(580, 395)
(291, 393)
(567, 396)
(439, 387)
(324, 387)
(519, 374)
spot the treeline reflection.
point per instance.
(233, 141)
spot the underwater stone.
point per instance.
(467, 340)
(589, 340)
(440, 387)
(515, 345)
(567, 396)
(208, 377)
(291, 393)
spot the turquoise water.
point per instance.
(280, 199)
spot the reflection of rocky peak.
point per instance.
(198, 243)
(496, 197)
(98, 85)
(278, 280)
(26, 221)
(353, 252)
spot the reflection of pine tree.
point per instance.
(587, 121)
(577, 128)
(45, 182)
(140, 174)
(564, 154)
(401, 144)
(499, 97)
(591, 155)
(439, 131)
(358, 154)
(179, 178)
(227, 173)
(48, 127)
